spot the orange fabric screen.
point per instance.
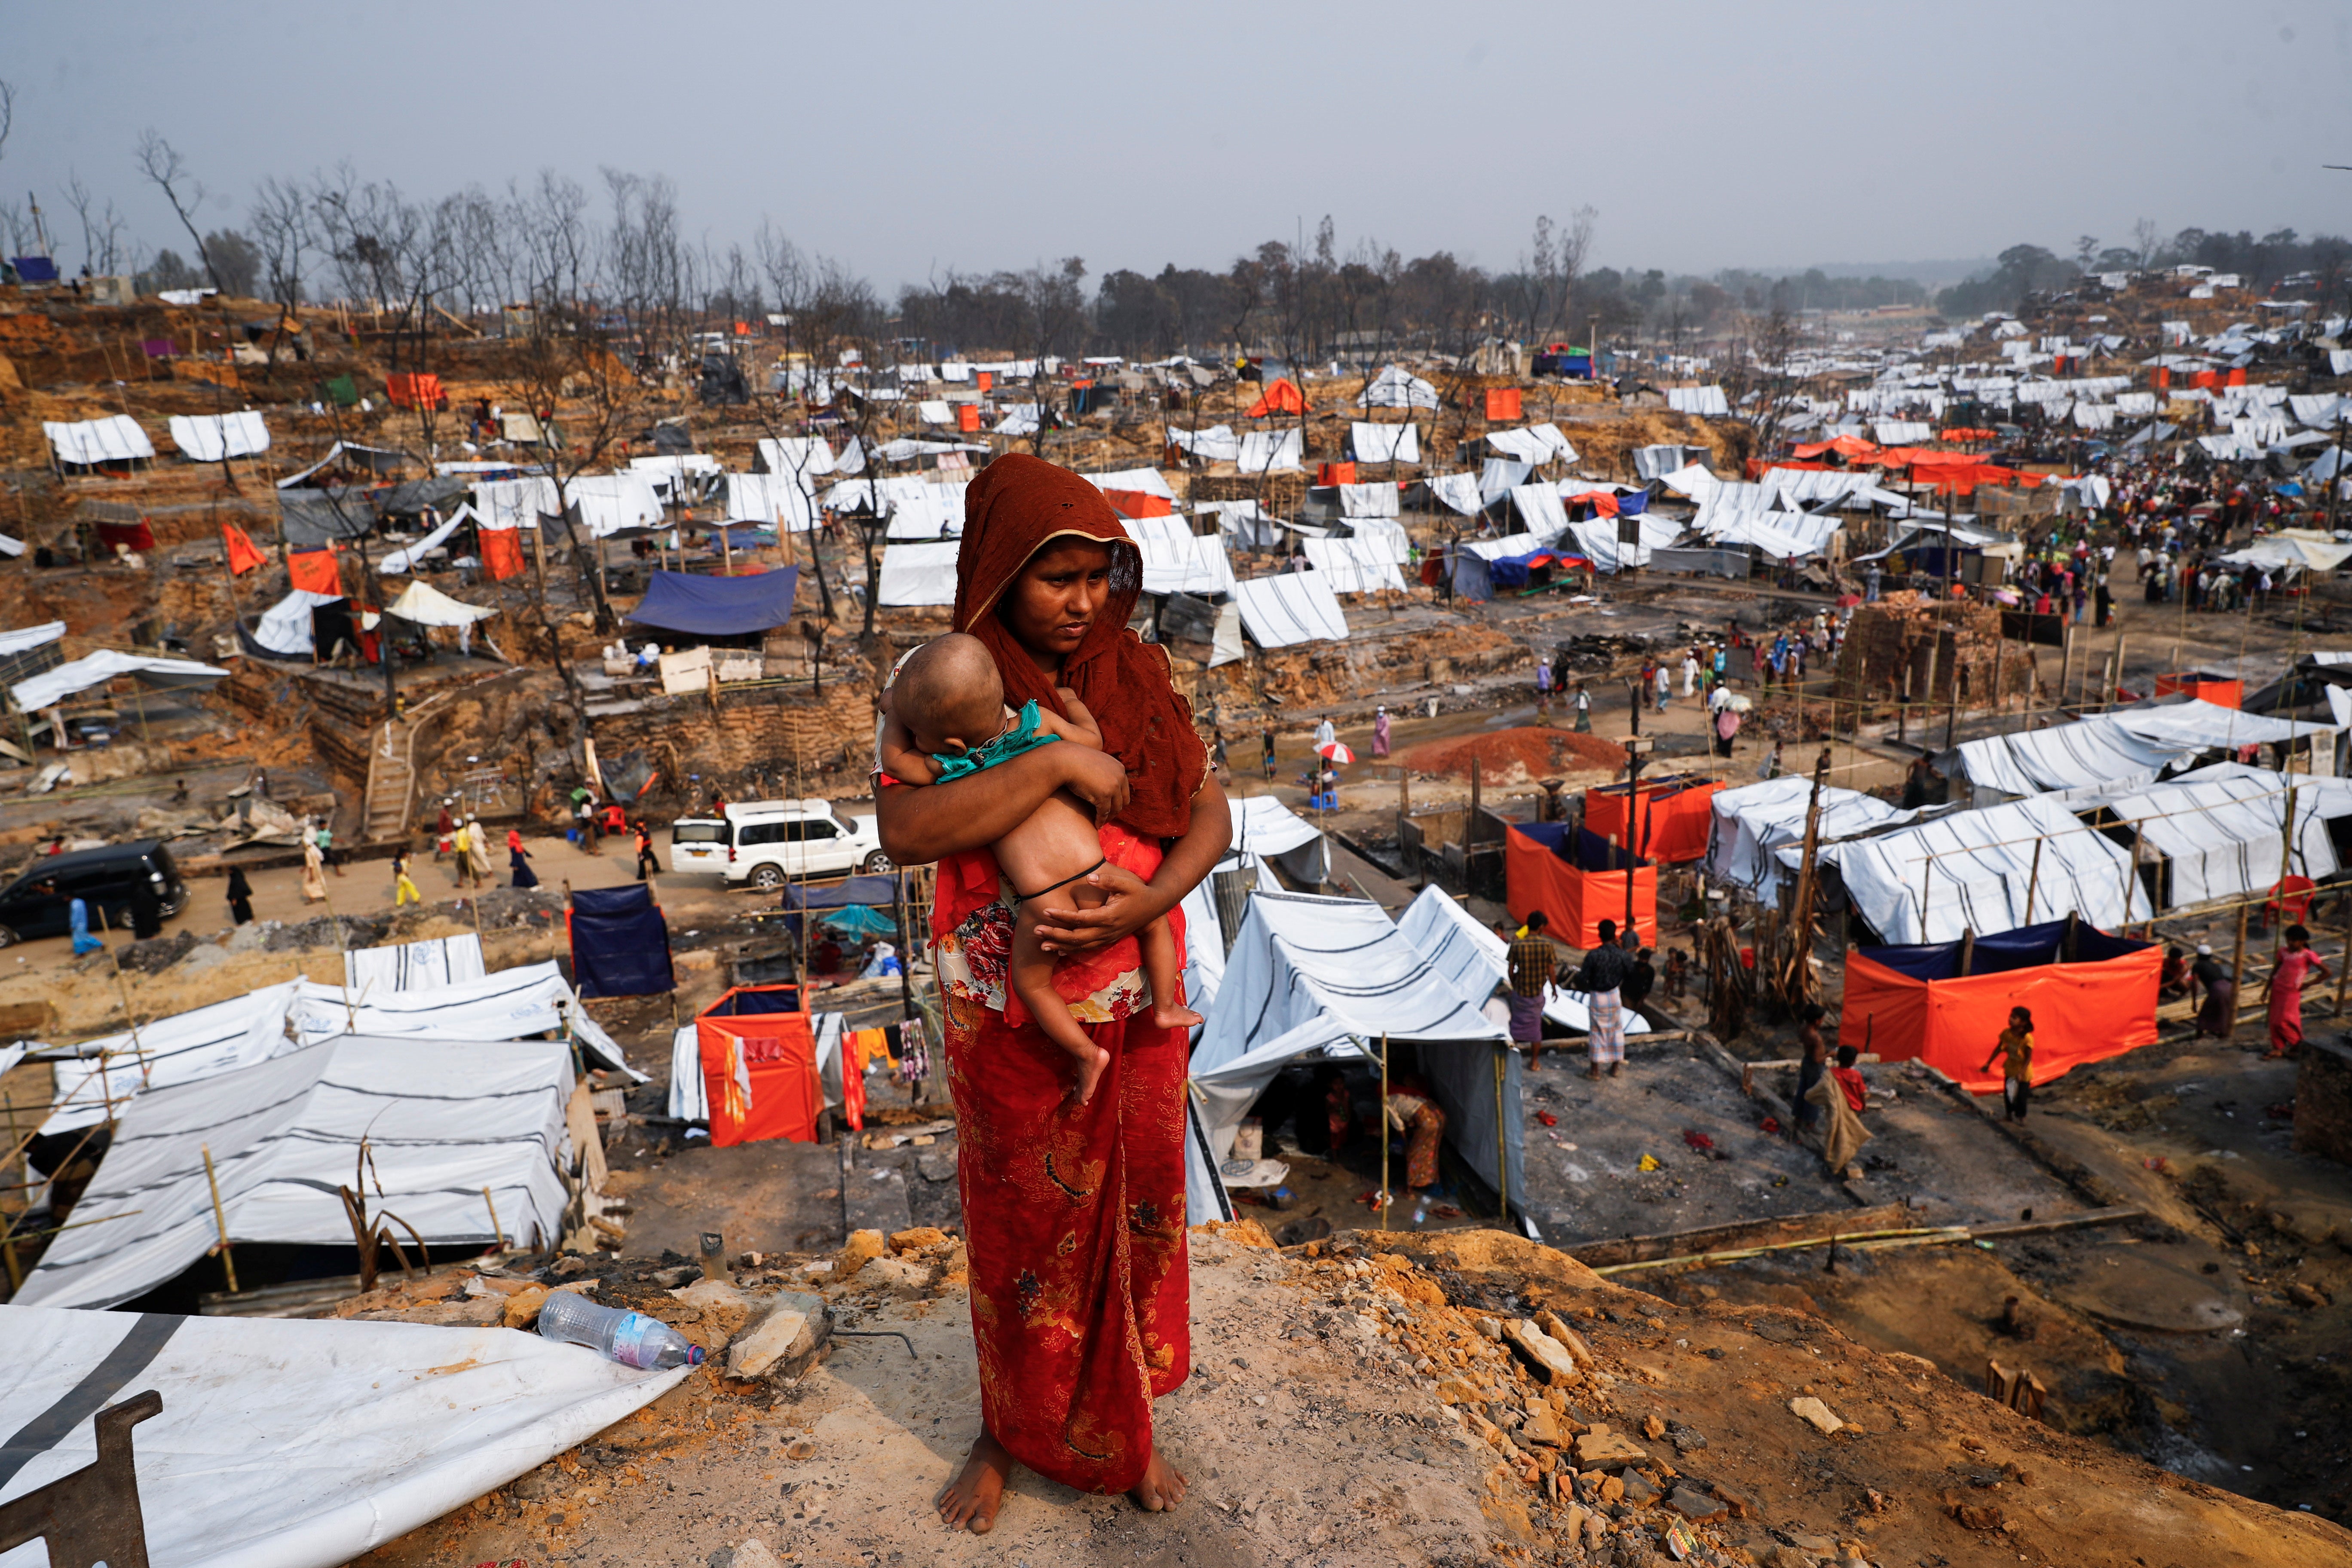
(244, 555)
(1502, 402)
(315, 571)
(1336, 474)
(1604, 502)
(418, 389)
(2159, 378)
(1281, 398)
(986, 378)
(778, 1057)
(502, 553)
(1138, 503)
(2082, 1013)
(1670, 823)
(1577, 901)
(2220, 693)
(967, 418)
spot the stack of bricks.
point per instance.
(1908, 645)
(775, 728)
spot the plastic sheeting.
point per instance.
(620, 942)
(406, 559)
(2225, 836)
(1289, 607)
(1269, 451)
(502, 504)
(444, 1119)
(1457, 492)
(917, 574)
(285, 626)
(1597, 542)
(1476, 960)
(782, 500)
(2114, 750)
(1178, 561)
(205, 1042)
(309, 519)
(1216, 443)
(424, 605)
(209, 437)
(54, 686)
(1377, 499)
(1700, 400)
(1539, 506)
(1754, 822)
(1395, 387)
(375, 973)
(1536, 444)
(395, 1425)
(717, 607)
(1384, 442)
(528, 999)
(114, 439)
(1975, 870)
(1352, 566)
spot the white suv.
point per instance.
(772, 841)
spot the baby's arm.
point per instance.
(1078, 725)
(897, 755)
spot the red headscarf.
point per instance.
(1016, 506)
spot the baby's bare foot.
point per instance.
(1090, 1071)
(1176, 1018)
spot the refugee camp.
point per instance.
(798, 799)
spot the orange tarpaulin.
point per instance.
(1281, 398)
(1503, 404)
(419, 389)
(1843, 445)
(1604, 502)
(1575, 899)
(502, 553)
(2083, 1012)
(1138, 503)
(2205, 689)
(244, 555)
(759, 1066)
(315, 571)
(967, 418)
(1671, 818)
(1336, 474)
(1965, 433)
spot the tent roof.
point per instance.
(719, 606)
(444, 1119)
(1290, 607)
(426, 605)
(54, 686)
(1974, 870)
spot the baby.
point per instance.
(947, 718)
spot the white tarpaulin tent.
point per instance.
(116, 438)
(916, 575)
(1536, 444)
(783, 500)
(806, 456)
(1178, 561)
(2305, 549)
(1699, 400)
(1754, 822)
(203, 1042)
(1394, 387)
(422, 604)
(1975, 870)
(1217, 444)
(1289, 607)
(2223, 828)
(1150, 481)
(285, 626)
(1597, 542)
(1476, 959)
(1539, 506)
(917, 509)
(209, 437)
(1457, 492)
(444, 1121)
(2112, 751)
(1352, 566)
(611, 502)
(406, 559)
(502, 504)
(372, 973)
(1384, 442)
(299, 1445)
(54, 686)
(1269, 451)
(528, 999)
(1329, 978)
(1377, 499)
(24, 639)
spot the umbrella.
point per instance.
(1337, 751)
(856, 920)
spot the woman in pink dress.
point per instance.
(2297, 966)
(1380, 734)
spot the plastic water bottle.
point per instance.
(616, 1334)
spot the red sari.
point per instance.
(1073, 1215)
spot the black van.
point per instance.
(39, 903)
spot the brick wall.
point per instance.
(770, 730)
(1947, 652)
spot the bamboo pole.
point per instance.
(220, 1220)
(1385, 1202)
(1502, 1137)
(497, 1229)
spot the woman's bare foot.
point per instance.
(1090, 1071)
(1162, 1488)
(1175, 1018)
(970, 1500)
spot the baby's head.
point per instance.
(950, 696)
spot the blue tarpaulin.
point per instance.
(1514, 570)
(867, 891)
(1633, 503)
(35, 268)
(719, 606)
(1580, 846)
(620, 943)
(2028, 947)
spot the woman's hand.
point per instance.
(1098, 778)
(1130, 904)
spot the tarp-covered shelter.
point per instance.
(758, 1056)
(1269, 451)
(1290, 607)
(1578, 880)
(717, 607)
(918, 575)
(1280, 396)
(284, 629)
(422, 604)
(1666, 820)
(52, 687)
(1394, 387)
(309, 519)
(2092, 996)
(372, 974)
(620, 943)
(444, 1119)
(1477, 959)
(2126, 747)
(396, 1424)
(1330, 979)
(85, 443)
(507, 1005)
(1989, 870)
(210, 438)
(1375, 443)
(2220, 832)
(1755, 823)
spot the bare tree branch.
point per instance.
(168, 172)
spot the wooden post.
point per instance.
(1967, 950)
(2238, 970)
(220, 1220)
(1502, 1136)
(1385, 1200)
(497, 1229)
(2032, 881)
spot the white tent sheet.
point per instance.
(209, 437)
(1700, 400)
(1217, 444)
(200, 1044)
(2118, 750)
(502, 504)
(1352, 566)
(24, 639)
(1597, 540)
(1290, 607)
(1973, 870)
(917, 574)
(1539, 506)
(54, 686)
(1376, 499)
(528, 999)
(1150, 481)
(375, 973)
(1395, 387)
(611, 502)
(2224, 836)
(444, 1121)
(806, 456)
(425, 606)
(1476, 959)
(1536, 444)
(285, 626)
(1388, 541)
(1269, 451)
(114, 439)
(1754, 822)
(1457, 492)
(395, 1425)
(779, 499)
(1178, 561)
(406, 559)
(1384, 442)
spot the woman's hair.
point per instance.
(2015, 1013)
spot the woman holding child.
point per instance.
(1073, 1201)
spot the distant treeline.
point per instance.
(2319, 268)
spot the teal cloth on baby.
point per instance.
(1024, 736)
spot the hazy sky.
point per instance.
(906, 136)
